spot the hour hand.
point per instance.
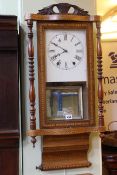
(59, 47)
(55, 56)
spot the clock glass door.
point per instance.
(66, 62)
(65, 65)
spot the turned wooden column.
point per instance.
(99, 69)
(31, 79)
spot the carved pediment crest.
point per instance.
(63, 8)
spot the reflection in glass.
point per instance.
(64, 103)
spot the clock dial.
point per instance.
(66, 55)
(65, 51)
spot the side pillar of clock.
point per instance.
(67, 151)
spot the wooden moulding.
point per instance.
(64, 148)
(85, 174)
(63, 152)
(64, 131)
(37, 17)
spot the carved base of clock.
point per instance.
(61, 152)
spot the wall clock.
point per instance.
(66, 80)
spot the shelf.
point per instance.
(64, 131)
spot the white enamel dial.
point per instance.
(65, 51)
(66, 55)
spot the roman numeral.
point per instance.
(72, 38)
(66, 66)
(59, 40)
(79, 50)
(74, 63)
(77, 57)
(54, 44)
(55, 57)
(51, 50)
(77, 43)
(65, 37)
(58, 63)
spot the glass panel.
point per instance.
(64, 103)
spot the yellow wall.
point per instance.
(109, 44)
(104, 5)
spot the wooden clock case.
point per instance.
(65, 143)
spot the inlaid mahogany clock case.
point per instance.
(65, 143)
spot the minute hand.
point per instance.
(59, 46)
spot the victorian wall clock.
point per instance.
(66, 84)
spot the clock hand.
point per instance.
(55, 56)
(59, 46)
(62, 52)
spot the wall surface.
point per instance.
(110, 83)
(8, 7)
(109, 68)
(103, 6)
(32, 156)
(109, 45)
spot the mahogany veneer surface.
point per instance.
(9, 125)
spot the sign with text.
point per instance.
(109, 49)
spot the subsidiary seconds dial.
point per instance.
(65, 51)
